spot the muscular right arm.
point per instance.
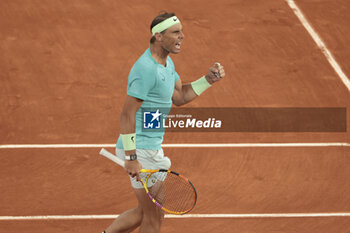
(127, 126)
(127, 117)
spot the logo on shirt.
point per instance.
(152, 120)
(162, 77)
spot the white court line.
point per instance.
(319, 43)
(186, 145)
(325, 144)
(112, 216)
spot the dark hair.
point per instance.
(160, 18)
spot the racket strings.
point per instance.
(172, 192)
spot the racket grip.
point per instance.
(112, 157)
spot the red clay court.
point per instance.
(64, 67)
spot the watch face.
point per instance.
(133, 157)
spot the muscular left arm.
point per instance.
(183, 93)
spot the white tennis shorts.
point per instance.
(149, 159)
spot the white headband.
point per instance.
(165, 25)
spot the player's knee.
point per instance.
(154, 220)
(161, 217)
(139, 211)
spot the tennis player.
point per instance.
(153, 81)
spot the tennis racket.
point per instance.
(168, 190)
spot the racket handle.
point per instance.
(112, 157)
